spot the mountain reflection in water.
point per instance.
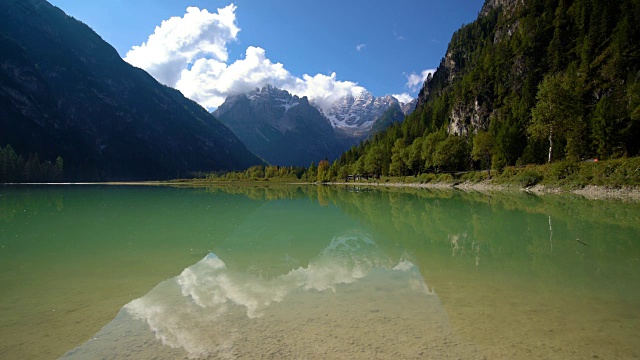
(351, 301)
(308, 272)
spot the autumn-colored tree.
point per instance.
(323, 171)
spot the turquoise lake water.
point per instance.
(93, 272)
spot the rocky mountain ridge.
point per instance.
(285, 129)
(357, 114)
(408, 108)
(281, 128)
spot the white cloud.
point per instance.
(403, 98)
(209, 81)
(359, 47)
(324, 90)
(189, 53)
(179, 41)
(415, 81)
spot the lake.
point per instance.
(271, 272)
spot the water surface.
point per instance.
(315, 272)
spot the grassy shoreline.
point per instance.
(612, 179)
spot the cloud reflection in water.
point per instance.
(209, 310)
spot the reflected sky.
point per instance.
(350, 301)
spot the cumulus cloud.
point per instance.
(415, 81)
(323, 90)
(189, 53)
(179, 41)
(403, 98)
(359, 47)
(209, 81)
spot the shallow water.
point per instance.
(315, 272)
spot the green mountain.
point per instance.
(393, 114)
(540, 80)
(66, 92)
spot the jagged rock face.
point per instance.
(468, 119)
(357, 114)
(505, 32)
(274, 105)
(508, 6)
(508, 9)
(450, 64)
(282, 128)
(408, 108)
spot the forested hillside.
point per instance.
(65, 92)
(529, 81)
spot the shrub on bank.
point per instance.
(474, 176)
(529, 177)
(618, 172)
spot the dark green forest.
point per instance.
(15, 168)
(529, 83)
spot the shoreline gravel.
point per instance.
(590, 191)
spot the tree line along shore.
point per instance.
(560, 176)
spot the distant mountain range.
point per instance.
(357, 114)
(285, 129)
(394, 114)
(64, 91)
(281, 128)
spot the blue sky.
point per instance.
(372, 44)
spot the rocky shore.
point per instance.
(589, 192)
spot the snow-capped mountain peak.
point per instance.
(357, 113)
(353, 114)
(271, 94)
